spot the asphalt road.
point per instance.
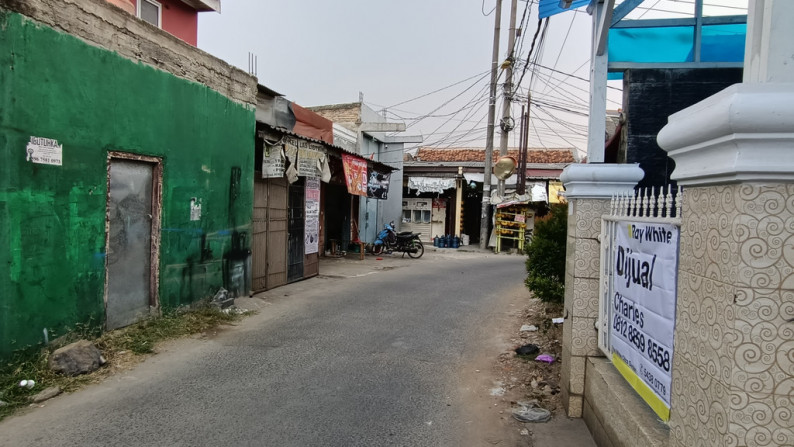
(370, 360)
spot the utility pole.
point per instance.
(506, 124)
(486, 180)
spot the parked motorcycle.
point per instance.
(405, 242)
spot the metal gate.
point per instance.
(133, 215)
(296, 227)
(269, 234)
(642, 207)
(638, 292)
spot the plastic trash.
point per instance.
(529, 349)
(558, 320)
(531, 412)
(528, 328)
(27, 384)
(545, 358)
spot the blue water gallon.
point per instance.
(446, 241)
(455, 242)
(435, 241)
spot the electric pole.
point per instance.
(486, 179)
(506, 124)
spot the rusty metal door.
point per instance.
(129, 242)
(276, 233)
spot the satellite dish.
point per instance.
(504, 167)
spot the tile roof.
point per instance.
(534, 155)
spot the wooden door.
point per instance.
(269, 263)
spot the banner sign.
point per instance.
(355, 174)
(309, 155)
(305, 155)
(643, 308)
(272, 161)
(312, 220)
(378, 185)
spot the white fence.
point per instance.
(639, 266)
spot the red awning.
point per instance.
(312, 125)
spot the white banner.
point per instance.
(312, 221)
(272, 161)
(644, 277)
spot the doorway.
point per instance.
(295, 231)
(132, 242)
(269, 257)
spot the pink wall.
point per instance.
(180, 20)
(177, 18)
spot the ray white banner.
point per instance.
(644, 276)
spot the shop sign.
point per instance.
(378, 185)
(355, 174)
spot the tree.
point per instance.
(546, 256)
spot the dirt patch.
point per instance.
(496, 383)
(523, 376)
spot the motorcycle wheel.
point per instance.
(420, 250)
(377, 249)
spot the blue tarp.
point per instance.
(674, 44)
(548, 8)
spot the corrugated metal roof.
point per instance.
(377, 164)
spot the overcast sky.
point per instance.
(318, 52)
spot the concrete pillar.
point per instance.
(769, 52)
(589, 189)
(733, 369)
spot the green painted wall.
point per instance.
(52, 218)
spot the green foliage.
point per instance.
(546, 256)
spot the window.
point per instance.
(150, 11)
(406, 216)
(421, 216)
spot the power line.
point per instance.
(483, 9)
(436, 91)
(531, 48)
(713, 5)
(450, 100)
(573, 19)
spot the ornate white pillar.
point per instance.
(589, 189)
(733, 369)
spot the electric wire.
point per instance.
(438, 90)
(565, 40)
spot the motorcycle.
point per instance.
(405, 242)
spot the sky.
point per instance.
(426, 62)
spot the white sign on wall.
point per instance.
(312, 223)
(272, 161)
(644, 276)
(44, 151)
